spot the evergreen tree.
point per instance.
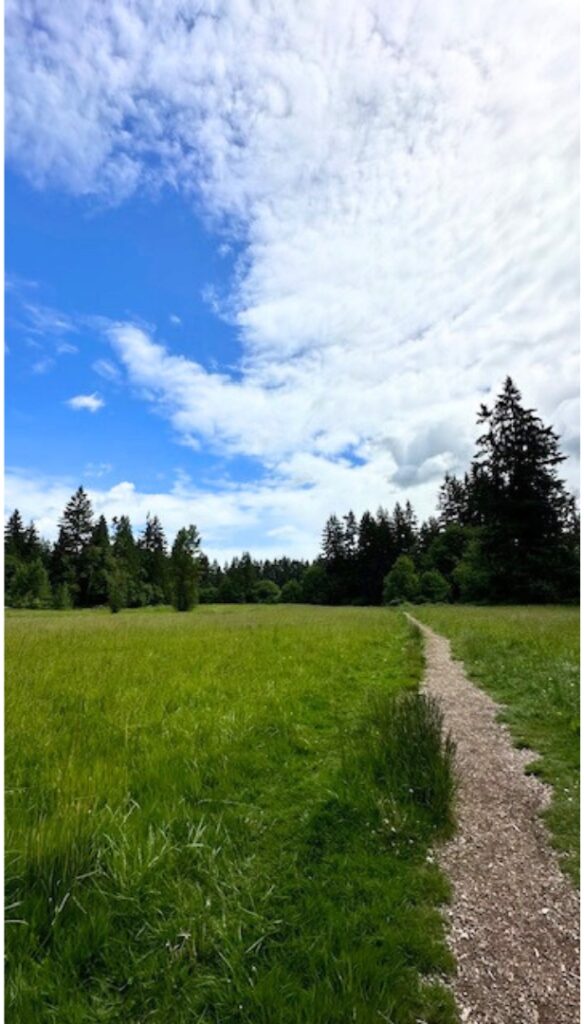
(350, 535)
(404, 529)
(68, 565)
(155, 562)
(129, 583)
(524, 502)
(185, 571)
(333, 543)
(368, 559)
(15, 536)
(340, 556)
(76, 524)
(429, 531)
(315, 583)
(99, 564)
(453, 501)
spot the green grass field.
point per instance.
(204, 822)
(528, 659)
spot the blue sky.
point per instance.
(263, 265)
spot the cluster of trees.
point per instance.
(507, 532)
(90, 565)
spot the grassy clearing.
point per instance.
(528, 658)
(205, 821)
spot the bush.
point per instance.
(402, 582)
(116, 592)
(316, 588)
(414, 761)
(434, 587)
(266, 592)
(472, 574)
(229, 593)
(29, 586)
(291, 593)
(62, 599)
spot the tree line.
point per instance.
(508, 531)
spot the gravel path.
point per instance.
(513, 921)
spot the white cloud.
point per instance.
(106, 369)
(175, 320)
(66, 349)
(283, 515)
(403, 181)
(43, 365)
(97, 469)
(90, 402)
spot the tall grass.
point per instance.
(528, 659)
(414, 759)
(197, 829)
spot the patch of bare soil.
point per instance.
(514, 917)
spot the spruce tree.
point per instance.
(76, 524)
(371, 580)
(185, 571)
(524, 503)
(155, 563)
(15, 536)
(334, 558)
(129, 583)
(99, 563)
(68, 565)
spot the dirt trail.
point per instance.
(513, 921)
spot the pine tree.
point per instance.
(129, 584)
(99, 564)
(335, 559)
(524, 501)
(185, 571)
(368, 560)
(68, 565)
(155, 562)
(76, 524)
(405, 529)
(453, 501)
(15, 536)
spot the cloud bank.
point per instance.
(401, 180)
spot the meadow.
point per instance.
(212, 818)
(528, 659)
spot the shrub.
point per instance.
(266, 592)
(402, 582)
(29, 586)
(434, 587)
(291, 593)
(62, 599)
(414, 761)
(116, 592)
(316, 587)
(472, 575)
(229, 593)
